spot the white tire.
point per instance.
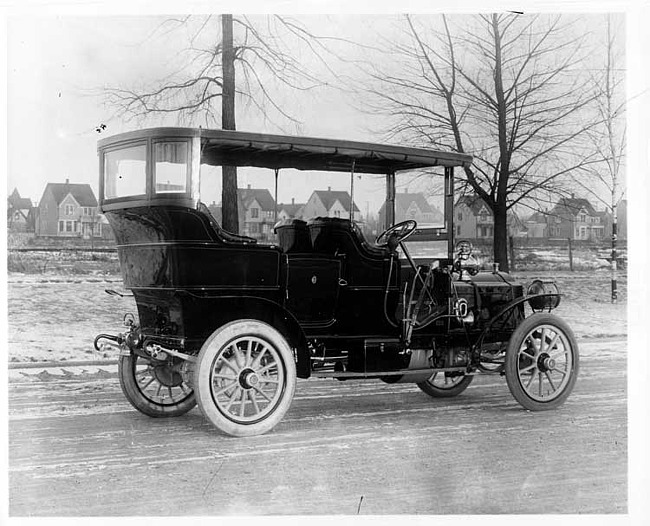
(245, 378)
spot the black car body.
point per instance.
(231, 322)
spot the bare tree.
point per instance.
(506, 88)
(239, 61)
(604, 180)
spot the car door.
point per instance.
(312, 289)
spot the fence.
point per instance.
(553, 254)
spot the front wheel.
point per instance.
(441, 385)
(245, 378)
(156, 389)
(541, 362)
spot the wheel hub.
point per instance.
(545, 363)
(167, 376)
(248, 379)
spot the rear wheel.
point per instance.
(153, 388)
(442, 385)
(245, 378)
(542, 362)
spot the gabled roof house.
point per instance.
(329, 203)
(68, 210)
(20, 213)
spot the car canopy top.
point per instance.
(236, 148)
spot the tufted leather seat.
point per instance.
(293, 236)
(332, 235)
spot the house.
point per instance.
(575, 218)
(474, 220)
(537, 225)
(20, 213)
(413, 205)
(290, 211)
(259, 212)
(329, 203)
(256, 212)
(69, 210)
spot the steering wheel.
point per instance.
(396, 234)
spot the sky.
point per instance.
(57, 67)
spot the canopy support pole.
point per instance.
(275, 197)
(390, 200)
(352, 190)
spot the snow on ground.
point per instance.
(54, 317)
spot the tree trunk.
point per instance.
(501, 238)
(229, 212)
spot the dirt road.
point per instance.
(77, 448)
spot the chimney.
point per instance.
(329, 188)
(293, 200)
(249, 186)
(67, 181)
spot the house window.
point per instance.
(255, 213)
(483, 217)
(583, 218)
(69, 226)
(61, 226)
(87, 211)
(337, 213)
(458, 230)
(69, 210)
(460, 216)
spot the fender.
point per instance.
(508, 308)
(268, 311)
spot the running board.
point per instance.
(379, 374)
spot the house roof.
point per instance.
(15, 202)
(261, 195)
(291, 209)
(329, 197)
(473, 202)
(571, 206)
(82, 193)
(537, 217)
(403, 201)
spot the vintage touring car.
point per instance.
(230, 321)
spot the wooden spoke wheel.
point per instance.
(542, 362)
(442, 385)
(155, 389)
(245, 378)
